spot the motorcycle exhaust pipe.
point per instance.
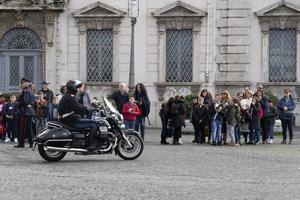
(65, 149)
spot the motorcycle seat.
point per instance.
(80, 128)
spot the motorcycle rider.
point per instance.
(70, 112)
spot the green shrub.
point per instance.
(188, 99)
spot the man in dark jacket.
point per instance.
(199, 120)
(26, 100)
(178, 118)
(70, 112)
(120, 97)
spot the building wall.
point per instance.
(229, 53)
(234, 50)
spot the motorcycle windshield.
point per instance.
(110, 106)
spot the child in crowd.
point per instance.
(12, 114)
(130, 112)
(53, 109)
(273, 114)
(41, 111)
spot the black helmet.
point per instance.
(72, 86)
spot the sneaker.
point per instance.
(179, 141)
(7, 140)
(270, 141)
(16, 140)
(257, 142)
(290, 141)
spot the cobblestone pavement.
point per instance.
(187, 172)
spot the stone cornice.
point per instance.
(266, 12)
(110, 12)
(193, 11)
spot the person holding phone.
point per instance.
(130, 112)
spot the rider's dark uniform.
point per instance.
(70, 112)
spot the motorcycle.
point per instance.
(57, 139)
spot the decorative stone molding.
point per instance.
(50, 18)
(98, 16)
(178, 15)
(280, 15)
(36, 5)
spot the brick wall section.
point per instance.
(233, 40)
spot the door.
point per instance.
(20, 65)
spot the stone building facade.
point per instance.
(181, 47)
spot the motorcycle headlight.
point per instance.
(103, 129)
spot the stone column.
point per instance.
(50, 59)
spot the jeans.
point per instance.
(177, 133)
(12, 128)
(216, 127)
(140, 124)
(164, 126)
(255, 135)
(129, 124)
(40, 123)
(237, 133)
(231, 133)
(287, 123)
(271, 131)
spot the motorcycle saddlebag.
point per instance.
(54, 133)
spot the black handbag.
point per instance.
(29, 111)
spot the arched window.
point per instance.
(20, 56)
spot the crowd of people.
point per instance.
(23, 114)
(220, 120)
(225, 119)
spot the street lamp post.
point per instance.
(133, 12)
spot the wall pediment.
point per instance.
(179, 9)
(98, 10)
(281, 8)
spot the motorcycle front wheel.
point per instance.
(49, 155)
(130, 153)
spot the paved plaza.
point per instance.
(187, 172)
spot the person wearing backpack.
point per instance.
(142, 100)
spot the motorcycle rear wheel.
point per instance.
(127, 153)
(51, 156)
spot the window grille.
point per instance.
(20, 38)
(179, 55)
(29, 68)
(282, 55)
(99, 55)
(14, 70)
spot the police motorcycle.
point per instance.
(57, 139)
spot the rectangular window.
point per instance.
(179, 55)
(14, 70)
(99, 55)
(282, 55)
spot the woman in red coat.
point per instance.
(130, 112)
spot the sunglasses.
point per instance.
(286, 92)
